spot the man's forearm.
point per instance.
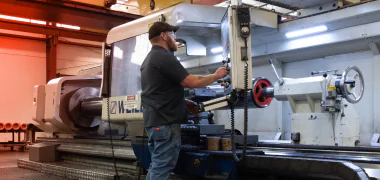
(203, 81)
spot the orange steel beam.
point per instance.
(49, 30)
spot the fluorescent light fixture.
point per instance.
(14, 18)
(68, 26)
(179, 21)
(178, 58)
(217, 49)
(38, 22)
(305, 32)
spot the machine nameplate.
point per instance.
(123, 108)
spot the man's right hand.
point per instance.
(195, 81)
(221, 72)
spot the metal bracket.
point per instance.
(374, 48)
(319, 9)
(292, 103)
(310, 101)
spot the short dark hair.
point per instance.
(158, 27)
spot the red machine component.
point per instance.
(259, 96)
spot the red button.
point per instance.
(157, 128)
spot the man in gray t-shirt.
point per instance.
(163, 80)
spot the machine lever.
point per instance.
(280, 81)
(351, 82)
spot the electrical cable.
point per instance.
(245, 99)
(109, 126)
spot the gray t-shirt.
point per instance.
(162, 95)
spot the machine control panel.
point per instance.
(244, 21)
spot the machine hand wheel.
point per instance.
(352, 84)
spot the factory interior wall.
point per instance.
(23, 64)
(73, 58)
(277, 117)
(376, 94)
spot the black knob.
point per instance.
(349, 82)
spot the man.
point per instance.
(163, 80)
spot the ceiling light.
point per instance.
(217, 49)
(178, 58)
(68, 26)
(38, 22)
(305, 32)
(14, 18)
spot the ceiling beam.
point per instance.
(66, 13)
(22, 37)
(49, 30)
(280, 4)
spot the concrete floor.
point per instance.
(10, 171)
(9, 158)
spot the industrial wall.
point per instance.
(73, 58)
(277, 117)
(22, 66)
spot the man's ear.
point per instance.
(164, 36)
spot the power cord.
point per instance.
(109, 126)
(245, 99)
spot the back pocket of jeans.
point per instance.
(161, 133)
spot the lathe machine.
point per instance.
(89, 109)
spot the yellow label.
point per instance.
(331, 88)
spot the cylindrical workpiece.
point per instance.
(213, 143)
(226, 144)
(16, 126)
(24, 126)
(2, 126)
(84, 115)
(8, 126)
(92, 107)
(268, 91)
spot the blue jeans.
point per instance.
(164, 145)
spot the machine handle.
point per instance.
(280, 81)
(352, 86)
(351, 82)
